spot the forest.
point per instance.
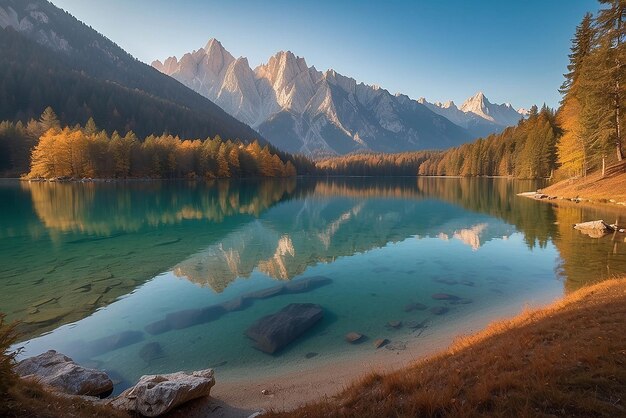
(585, 134)
(582, 136)
(87, 152)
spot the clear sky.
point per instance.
(514, 51)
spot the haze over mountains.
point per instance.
(300, 109)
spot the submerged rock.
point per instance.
(155, 395)
(190, 317)
(413, 306)
(416, 324)
(396, 346)
(381, 342)
(353, 337)
(394, 324)
(461, 301)
(112, 342)
(273, 332)
(310, 355)
(151, 352)
(60, 372)
(307, 284)
(439, 310)
(444, 296)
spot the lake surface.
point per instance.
(94, 270)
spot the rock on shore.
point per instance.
(155, 395)
(61, 373)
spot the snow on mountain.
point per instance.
(300, 109)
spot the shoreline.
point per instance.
(541, 362)
(289, 390)
(571, 202)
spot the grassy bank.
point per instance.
(593, 187)
(568, 359)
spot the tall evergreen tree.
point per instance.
(612, 35)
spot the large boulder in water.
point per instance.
(155, 395)
(273, 332)
(61, 373)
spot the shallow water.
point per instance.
(90, 268)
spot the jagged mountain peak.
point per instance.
(304, 110)
(213, 43)
(477, 103)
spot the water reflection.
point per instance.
(68, 249)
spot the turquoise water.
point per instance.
(89, 268)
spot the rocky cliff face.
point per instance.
(301, 109)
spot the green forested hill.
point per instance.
(49, 58)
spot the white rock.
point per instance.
(61, 373)
(155, 395)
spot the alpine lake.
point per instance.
(144, 277)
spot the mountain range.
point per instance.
(300, 109)
(49, 58)
(477, 114)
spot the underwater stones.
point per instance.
(47, 315)
(60, 372)
(307, 284)
(461, 301)
(396, 346)
(273, 332)
(394, 324)
(444, 296)
(237, 304)
(449, 282)
(155, 395)
(264, 293)
(310, 355)
(112, 342)
(354, 337)
(413, 306)
(380, 342)
(439, 310)
(151, 351)
(158, 327)
(415, 324)
(43, 301)
(190, 317)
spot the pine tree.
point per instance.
(49, 120)
(612, 35)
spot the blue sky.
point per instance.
(514, 51)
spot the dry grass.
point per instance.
(592, 187)
(565, 360)
(30, 400)
(19, 398)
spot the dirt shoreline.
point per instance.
(289, 390)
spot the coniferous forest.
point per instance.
(584, 134)
(586, 131)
